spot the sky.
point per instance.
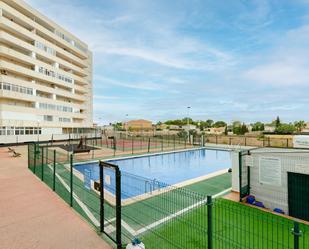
(242, 60)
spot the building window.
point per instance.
(48, 118)
(55, 107)
(19, 130)
(15, 88)
(10, 131)
(45, 48)
(2, 131)
(29, 131)
(65, 120)
(51, 73)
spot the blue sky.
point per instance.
(228, 60)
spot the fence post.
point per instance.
(240, 174)
(268, 141)
(132, 145)
(92, 148)
(118, 208)
(209, 222)
(71, 180)
(28, 156)
(54, 166)
(174, 142)
(297, 233)
(148, 144)
(42, 165)
(101, 200)
(287, 143)
(245, 141)
(216, 139)
(185, 143)
(34, 162)
(115, 145)
(162, 144)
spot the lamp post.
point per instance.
(188, 108)
(126, 125)
(38, 128)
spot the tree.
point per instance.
(182, 134)
(258, 126)
(277, 122)
(209, 123)
(118, 126)
(219, 124)
(206, 124)
(285, 129)
(300, 125)
(239, 129)
(244, 129)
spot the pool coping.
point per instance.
(156, 153)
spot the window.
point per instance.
(48, 118)
(74, 43)
(19, 130)
(29, 130)
(65, 120)
(55, 75)
(45, 48)
(2, 131)
(15, 88)
(55, 107)
(10, 131)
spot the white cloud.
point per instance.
(279, 73)
(150, 86)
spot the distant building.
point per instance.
(269, 128)
(306, 128)
(162, 127)
(174, 127)
(189, 127)
(137, 125)
(214, 130)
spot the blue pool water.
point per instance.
(169, 168)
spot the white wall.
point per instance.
(275, 195)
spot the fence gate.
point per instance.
(244, 173)
(110, 202)
(298, 192)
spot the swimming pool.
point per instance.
(169, 168)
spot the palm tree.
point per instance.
(300, 125)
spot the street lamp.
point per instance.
(38, 128)
(126, 125)
(188, 108)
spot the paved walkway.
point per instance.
(32, 216)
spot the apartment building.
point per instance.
(45, 76)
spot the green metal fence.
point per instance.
(166, 216)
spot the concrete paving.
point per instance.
(32, 216)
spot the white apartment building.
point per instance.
(45, 76)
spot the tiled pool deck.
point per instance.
(32, 216)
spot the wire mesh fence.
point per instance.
(255, 141)
(164, 216)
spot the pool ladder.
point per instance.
(152, 185)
